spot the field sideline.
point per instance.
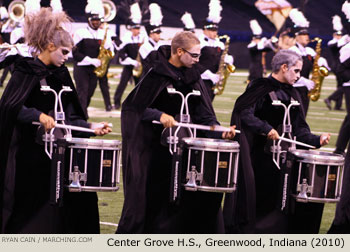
(320, 120)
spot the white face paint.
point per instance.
(292, 74)
(59, 56)
(190, 56)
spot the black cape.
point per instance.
(24, 166)
(146, 164)
(240, 208)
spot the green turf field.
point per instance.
(319, 118)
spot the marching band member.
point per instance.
(341, 222)
(153, 32)
(344, 75)
(259, 121)
(129, 51)
(334, 45)
(301, 33)
(87, 42)
(5, 29)
(24, 166)
(256, 47)
(146, 163)
(212, 48)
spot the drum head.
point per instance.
(318, 157)
(208, 143)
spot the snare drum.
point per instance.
(316, 176)
(94, 164)
(212, 165)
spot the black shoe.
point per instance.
(328, 103)
(339, 109)
(116, 106)
(109, 108)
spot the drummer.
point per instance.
(260, 122)
(147, 164)
(24, 166)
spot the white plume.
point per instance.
(3, 13)
(135, 13)
(337, 25)
(188, 21)
(95, 7)
(298, 18)
(156, 14)
(214, 11)
(255, 27)
(346, 9)
(32, 6)
(56, 6)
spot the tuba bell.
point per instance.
(16, 10)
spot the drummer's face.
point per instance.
(292, 74)
(59, 55)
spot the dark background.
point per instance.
(235, 18)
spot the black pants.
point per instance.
(337, 95)
(86, 82)
(103, 82)
(344, 133)
(305, 100)
(125, 77)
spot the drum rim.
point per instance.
(211, 143)
(318, 157)
(94, 142)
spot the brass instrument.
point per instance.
(110, 10)
(104, 56)
(224, 69)
(16, 10)
(318, 73)
(137, 71)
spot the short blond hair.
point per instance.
(184, 39)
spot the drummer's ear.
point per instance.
(51, 47)
(284, 68)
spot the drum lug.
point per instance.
(303, 190)
(172, 140)
(192, 177)
(76, 176)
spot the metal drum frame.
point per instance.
(78, 180)
(314, 158)
(211, 145)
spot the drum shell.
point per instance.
(215, 161)
(98, 159)
(323, 173)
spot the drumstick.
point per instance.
(201, 127)
(76, 128)
(296, 142)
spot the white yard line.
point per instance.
(109, 223)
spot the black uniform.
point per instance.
(211, 50)
(337, 95)
(129, 49)
(344, 74)
(259, 178)
(255, 65)
(147, 163)
(308, 62)
(341, 222)
(25, 167)
(87, 43)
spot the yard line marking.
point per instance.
(322, 118)
(109, 223)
